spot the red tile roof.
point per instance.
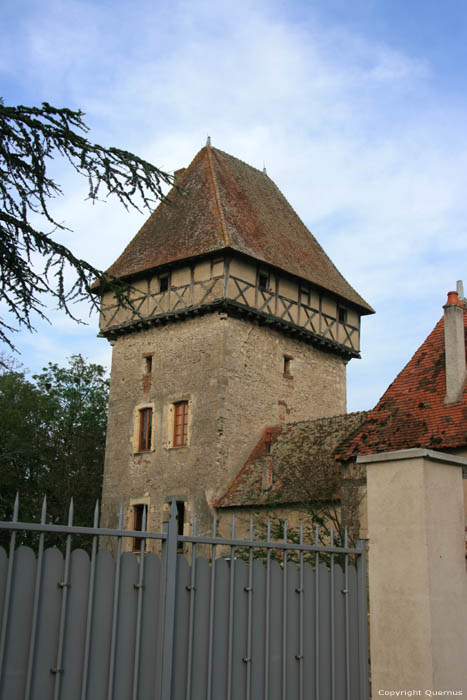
(224, 203)
(412, 412)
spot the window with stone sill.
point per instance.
(180, 434)
(145, 429)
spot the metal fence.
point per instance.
(96, 626)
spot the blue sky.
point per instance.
(358, 109)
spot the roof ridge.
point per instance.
(217, 197)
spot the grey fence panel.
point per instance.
(292, 631)
(338, 685)
(151, 619)
(126, 637)
(219, 661)
(199, 679)
(17, 633)
(182, 604)
(240, 659)
(353, 625)
(258, 631)
(101, 627)
(75, 626)
(309, 632)
(324, 634)
(275, 633)
(44, 670)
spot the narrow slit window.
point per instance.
(139, 511)
(180, 522)
(180, 424)
(145, 429)
(267, 441)
(148, 360)
(287, 366)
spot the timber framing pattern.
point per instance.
(237, 296)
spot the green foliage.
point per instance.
(29, 138)
(314, 530)
(52, 440)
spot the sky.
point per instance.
(357, 109)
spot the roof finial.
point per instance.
(208, 141)
(264, 168)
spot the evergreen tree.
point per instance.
(30, 137)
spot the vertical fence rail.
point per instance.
(64, 585)
(319, 648)
(268, 612)
(230, 624)
(116, 594)
(35, 609)
(346, 618)
(332, 587)
(284, 618)
(139, 608)
(362, 606)
(191, 614)
(249, 591)
(7, 597)
(211, 609)
(300, 621)
(316, 617)
(170, 573)
(92, 580)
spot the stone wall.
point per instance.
(231, 371)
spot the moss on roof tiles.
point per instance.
(299, 447)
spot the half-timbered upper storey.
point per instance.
(228, 238)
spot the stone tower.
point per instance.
(241, 321)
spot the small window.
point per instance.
(148, 363)
(305, 296)
(287, 366)
(180, 522)
(140, 513)
(263, 281)
(342, 315)
(180, 436)
(145, 429)
(163, 282)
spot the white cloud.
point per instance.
(352, 130)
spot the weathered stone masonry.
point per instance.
(231, 372)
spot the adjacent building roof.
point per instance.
(223, 203)
(412, 413)
(293, 463)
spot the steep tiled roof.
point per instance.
(224, 203)
(290, 461)
(412, 412)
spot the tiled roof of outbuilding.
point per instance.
(300, 450)
(412, 413)
(224, 203)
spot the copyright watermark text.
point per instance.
(427, 693)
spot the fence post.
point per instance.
(170, 580)
(362, 622)
(418, 586)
